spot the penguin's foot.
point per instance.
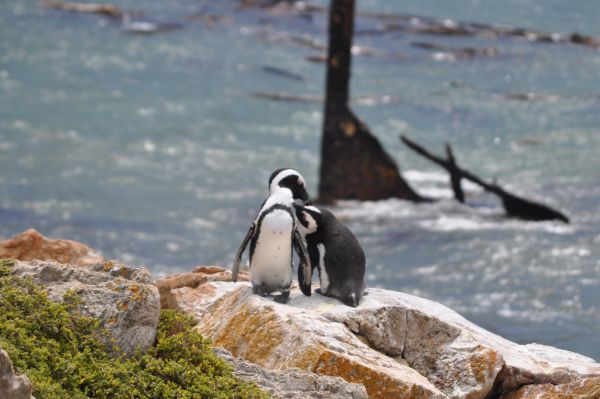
(318, 291)
(283, 298)
(259, 290)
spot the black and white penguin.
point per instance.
(335, 252)
(273, 235)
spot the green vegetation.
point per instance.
(60, 351)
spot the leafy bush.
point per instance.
(60, 351)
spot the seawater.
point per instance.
(151, 149)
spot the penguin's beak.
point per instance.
(304, 196)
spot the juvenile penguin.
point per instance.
(335, 252)
(272, 236)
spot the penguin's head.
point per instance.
(310, 219)
(290, 179)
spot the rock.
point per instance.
(581, 388)
(293, 383)
(122, 298)
(31, 245)
(194, 279)
(12, 386)
(396, 345)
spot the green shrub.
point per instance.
(62, 354)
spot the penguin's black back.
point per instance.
(344, 258)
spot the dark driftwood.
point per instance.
(110, 10)
(513, 205)
(418, 24)
(354, 165)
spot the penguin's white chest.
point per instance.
(271, 263)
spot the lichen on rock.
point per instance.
(396, 345)
(118, 296)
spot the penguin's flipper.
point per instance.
(305, 267)
(240, 252)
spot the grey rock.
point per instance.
(122, 298)
(12, 386)
(294, 383)
(460, 358)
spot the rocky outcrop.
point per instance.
(581, 388)
(396, 345)
(12, 386)
(31, 245)
(293, 383)
(122, 298)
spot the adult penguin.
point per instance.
(273, 236)
(335, 252)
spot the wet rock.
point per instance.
(119, 296)
(31, 245)
(293, 383)
(12, 385)
(396, 345)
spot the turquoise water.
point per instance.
(150, 148)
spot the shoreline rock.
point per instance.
(31, 245)
(122, 298)
(395, 344)
(392, 345)
(293, 383)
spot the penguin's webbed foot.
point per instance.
(258, 289)
(283, 298)
(318, 291)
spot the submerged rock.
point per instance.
(293, 383)
(396, 345)
(12, 385)
(31, 245)
(122, 298)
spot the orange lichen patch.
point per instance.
(251, 334)
(108, 265)
(123, 306)
(138, 293)
(379, 384)
(484, 364)
(588, 388)
(112, 320)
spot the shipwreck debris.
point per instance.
(514, 205)
(354, 165)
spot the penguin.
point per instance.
(335, 252)
(274, 235)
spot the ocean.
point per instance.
(155, 149)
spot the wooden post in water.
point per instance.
(354, 165)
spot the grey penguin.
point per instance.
(335, 252)
(274, 235)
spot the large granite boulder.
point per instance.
(31, 245)
(122, 298)
(293, 383)
(12, 386)
(396, 345)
